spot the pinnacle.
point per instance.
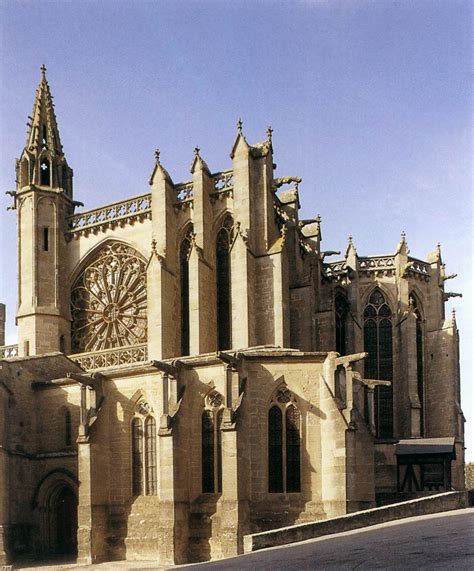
(42, 126)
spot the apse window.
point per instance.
(284, 444)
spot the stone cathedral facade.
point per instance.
(192, 368)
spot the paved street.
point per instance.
(438, 541)
(429, 542)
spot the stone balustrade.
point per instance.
(107, 358)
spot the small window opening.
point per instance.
(46, 239)
(45, 172)
(67, 429)
(62, 344)
(27, 348)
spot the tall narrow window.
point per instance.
(379, 363)
(341, 312)
(224, 240)
(46, 239)
(284, 445)
(207, 442)
(137, 457)
(144, 459)
(150, 456)
(419, 361)
(67, 428)
(184, 286)
(211, 450)
(62, 343)
(45, 172)
(275, 450)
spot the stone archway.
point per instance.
(56, 508)
(65, 515)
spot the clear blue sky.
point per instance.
(370, 101)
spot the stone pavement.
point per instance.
(436, 541)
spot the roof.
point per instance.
(425, 446)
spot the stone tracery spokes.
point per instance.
(109, 301)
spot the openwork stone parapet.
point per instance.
(111, 357)
(110, 216)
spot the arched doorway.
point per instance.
(55, 503)
(66, 522)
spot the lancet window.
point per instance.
(211, 444)
(284, 444)
(109, 301)
(184, 251)
(223, 270)
(144, 458)
(379, 363)
(67, 428)
(419, 358)
(45, 172)
(341, 306)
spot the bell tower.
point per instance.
(43, 201)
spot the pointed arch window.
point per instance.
(419, 359)
(144, 458)
(284, 444)
(379, 363)
(341, 306)
(211, 445)
(223, 243)
(184, 252)
(45, 172)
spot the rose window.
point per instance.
(108, 301)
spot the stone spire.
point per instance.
(43, 130)
(42, 162)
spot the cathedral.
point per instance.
(191, 367)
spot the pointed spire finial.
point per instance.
(196, 151)
(269, 134)
(318, 218)
(239, 126)
(43, 70)
(453, 315)
(157, 155)
(349, 240)
(403, 235)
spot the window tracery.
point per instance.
(284, 444)
(144, 457)
(379, 363)
(109, 300)
(211, 444)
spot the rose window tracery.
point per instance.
(108, 301)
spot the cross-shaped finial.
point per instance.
(157, 155)
(269, 134)
(403, 235)
(350, 239)
(196, 151)
(239, 126)
(43, 69)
